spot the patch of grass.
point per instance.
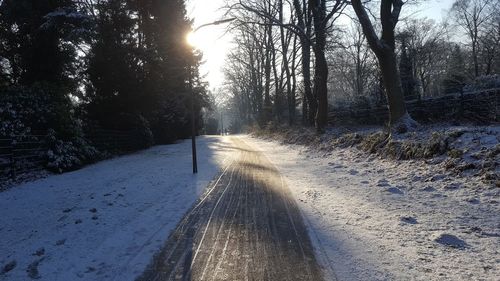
(455, 153)
(401, 147)
(426, 144)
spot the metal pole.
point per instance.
(221, 123)
(193, 124)
(193, 117)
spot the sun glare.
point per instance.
(192, 40)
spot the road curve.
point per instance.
(246, 226)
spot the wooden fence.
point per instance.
(478, 107)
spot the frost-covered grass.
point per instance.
(373, 216)
(467, 151)
(105, 221)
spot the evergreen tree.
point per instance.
(36, 41)
(169, 66)
(113, 88)
(140, 66)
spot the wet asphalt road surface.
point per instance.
(246, 226)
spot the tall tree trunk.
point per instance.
(293, 102)
(359, 79)
(320, 86)
(384, 49)
(305, 109)
(312, 103)
(475, 59)
(393, 89)
(309, 103)
(285, 42)
(321, 67)
(267, 72)
(278, 86)
(255, 84)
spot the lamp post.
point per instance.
(221, 123)
(191, 88)
(193, 123)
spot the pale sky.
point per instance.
(214, 44)
(211, 40)
(433, 9)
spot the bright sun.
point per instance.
(212, 41)
(192, 39)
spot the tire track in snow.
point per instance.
(246, 227)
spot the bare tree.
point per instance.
(286, 40)
(298, 22)
(304, 32)
(427, 44)
(319, 14)
(489, 42)
(245, 73)
(352, 67)
(473, 16)
(323, 17)
(384, 49)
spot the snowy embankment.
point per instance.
(105, 221)
(376, 219)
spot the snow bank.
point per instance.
(460, 150)
(106, 221)
(382, 219)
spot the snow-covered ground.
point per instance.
(369, 218)
(375, 219)
(105, 221)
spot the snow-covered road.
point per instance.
(246, 227)
(375, 219)
(105, 221)
(368, 218)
